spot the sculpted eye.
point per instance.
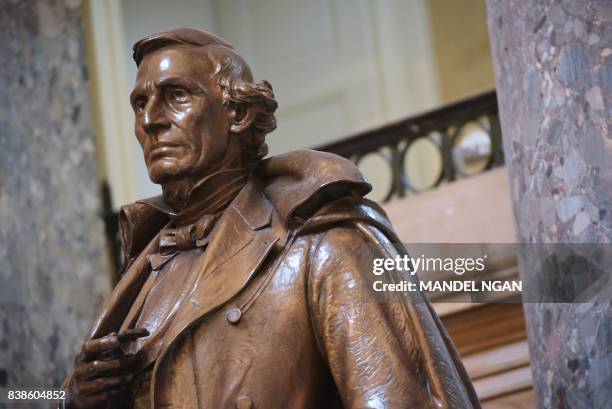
(178, 94)
(139, 104)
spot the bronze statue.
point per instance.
(245, 283)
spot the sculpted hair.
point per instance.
(234, 78)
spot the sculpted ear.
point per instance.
(243, 118)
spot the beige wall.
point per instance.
(461, 47)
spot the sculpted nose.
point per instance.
(153, 119)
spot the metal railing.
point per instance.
(466, 136)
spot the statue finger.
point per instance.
(93, 347)
(104, 368)
(132, 334)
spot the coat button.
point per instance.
(233, 316)
(244, 402)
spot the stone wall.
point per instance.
(553, 64)
(53, 262)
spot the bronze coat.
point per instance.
(281, 315)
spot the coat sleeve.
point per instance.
(387, 351)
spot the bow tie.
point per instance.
(173, 240)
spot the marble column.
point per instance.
(553, 66)
(53, 266)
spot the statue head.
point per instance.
(195, 102)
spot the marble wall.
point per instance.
(53, 262)
(553, 65)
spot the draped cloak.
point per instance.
(281, 313)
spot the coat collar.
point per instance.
(295, 184)
(299, 183)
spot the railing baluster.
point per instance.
(398, 171)
(448, 163)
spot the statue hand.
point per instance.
(103, 372)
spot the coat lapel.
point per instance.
(240, 243)
(118, 304)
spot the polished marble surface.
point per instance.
(53, 263)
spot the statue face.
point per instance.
(181, 124)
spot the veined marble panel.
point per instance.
(53, 263)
